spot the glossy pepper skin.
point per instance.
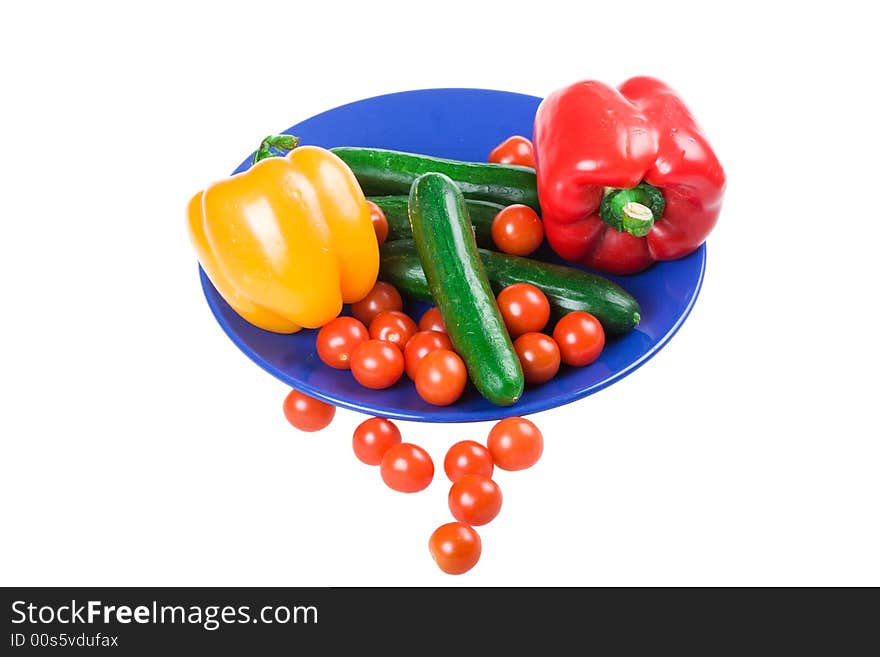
(288, 241)
(591, 139)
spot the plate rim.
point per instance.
(248, 161)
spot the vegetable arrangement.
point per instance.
(617, 179)
(432, 255)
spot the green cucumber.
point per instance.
(395, 208)
(444, 242)
(383, 172)
(567, 289)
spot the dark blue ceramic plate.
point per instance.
(463, 124)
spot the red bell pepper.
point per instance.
(625, 176)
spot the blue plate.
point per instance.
(463, 124)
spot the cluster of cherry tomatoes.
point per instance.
(379, 342)
(474, 497)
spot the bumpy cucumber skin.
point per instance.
(444, 242)
(384, 172)
(395, 208)
(567, 289)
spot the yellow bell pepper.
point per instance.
(288, 241)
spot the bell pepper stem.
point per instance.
(637, 219)
(633, 211)
(274, 145)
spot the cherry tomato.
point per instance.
(515, 443)
(307, 413)
(580, 337)
(377, 364)
(338, 339)
(380, 222)
(432, 320)
(383, 296)
(514, 150)
(538, 355)
(407, 468)
(420, 345)
(373, 437)
(517, 230)
(468, 457)
(441, 377)
(393, 326)
(456, 547)
(474, 499)
(524, 308)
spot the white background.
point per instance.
(140, 447)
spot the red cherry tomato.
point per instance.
(468, 457)
(420, 345)
(455, 547)
(538, 355)
(432, 320)
(474, 499)
(393, 326)
(524, 308)
(514, 150)
(515, 443)
(407, 468)
(338, 339)
(373, 437)
(383, 296)
(517, 230)
(307, 413)
(380, 222)
(580, 337)
(377, 364)
(441, 377)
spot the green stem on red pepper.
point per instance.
(633, 210)
(279, 143)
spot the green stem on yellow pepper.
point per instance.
(283, 143)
